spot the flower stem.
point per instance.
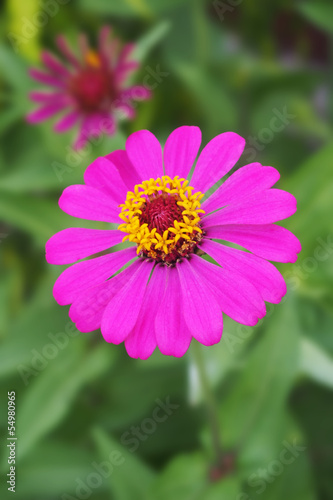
(210, 401)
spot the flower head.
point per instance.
(90, 89)
(162, 291)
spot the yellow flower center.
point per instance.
(162, 217)
(92, 58)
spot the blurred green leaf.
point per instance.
(149, 41)
(49, 398)
(132, 478)
(210, 94)
(184, 478)
(319, 12)
(294, 482)
(52, 469)
(132, 8)
(39, 217)
(251, 413)
(14, 70)
(316, 364)
(314, 195)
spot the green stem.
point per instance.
(210, 400)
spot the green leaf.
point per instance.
(39, 217)
(14, 70)
(294, 481)
(315, 363)
(251, 413)
(149, 40)
(39, 319)
(319, 12)
(314, 196)
(184, 478)
(48, 400)
(52, 469)
(130, 8)
(210, 95)
(129, 480)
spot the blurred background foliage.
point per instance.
(227, 65)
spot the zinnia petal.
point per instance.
(172, 334)
(88, 307)
(145, 153)
(141, 342)
(125, 168)
(262, 274)
(243, 183)
(268, 241)
(236, 297)
(122, 312)
(102, 174)
(216, 159)
(84, 275)
(87, 202)
(202, 313)
(264, 207)
(74, 244)
(180, 151)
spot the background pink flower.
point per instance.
(90, 89)
(169, 293)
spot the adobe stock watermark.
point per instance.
(100, 472)
(278, 122)
(223, 8)
(303, 269)
(40, 359)
(152, 79)
(137, 434)
(30, 27)
(131, 440)
(264, 476)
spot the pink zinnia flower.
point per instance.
(90, 90)
(168, 293)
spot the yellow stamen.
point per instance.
(92, 59)
(150, 241)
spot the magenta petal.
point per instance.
(67, 51)
(172, 334)
(262, 274)
(201, 311)
(268, 241)
(89, 273)
(46, 78)
(136, 93)
(89, 203)
(237, 298)
(74, 244)
(180, 151)
(141, 342)
(92, 125)
(244, 182)
(102, 174)
(145, 153)
(54, 65)
(122, 312)
(216, 159)
(88, 307)
(264, 207)
(125, 168)
(67, 121)
(47, 111)
(46, 97)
